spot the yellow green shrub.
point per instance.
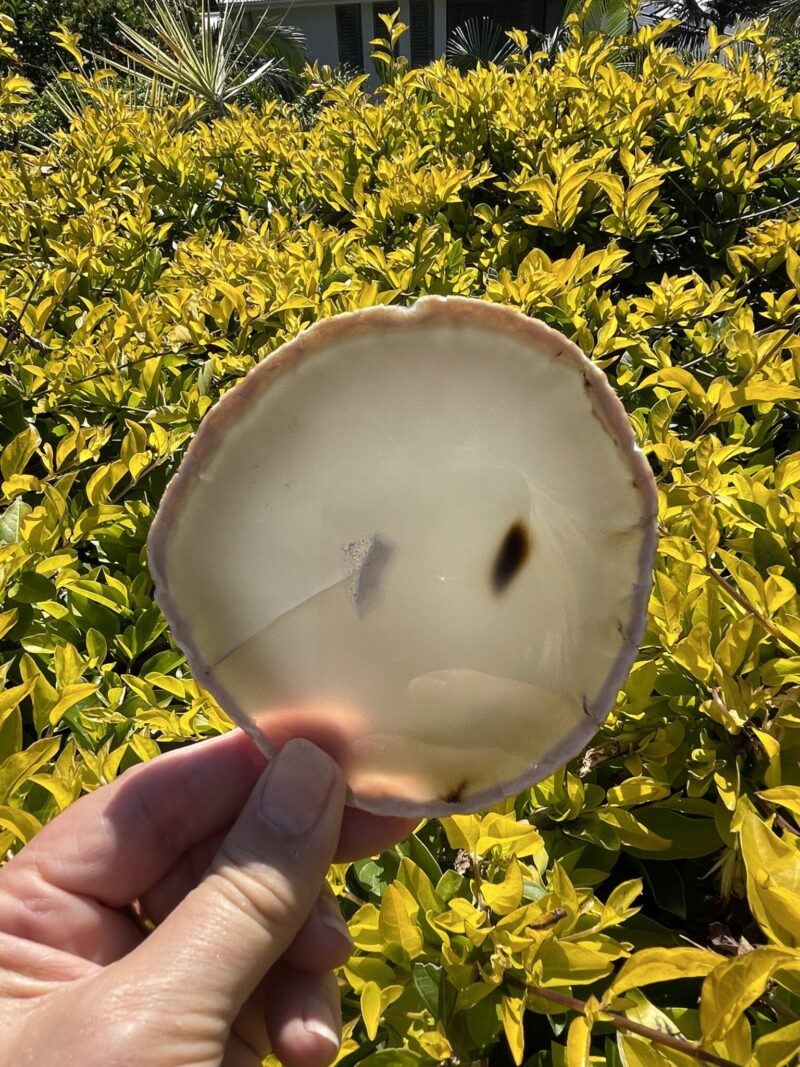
(650, 211)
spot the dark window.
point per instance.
(511, 14)
(384, 8)
(421, 12)
(348, 35)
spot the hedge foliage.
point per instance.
(650, 213)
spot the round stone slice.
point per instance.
(421, 538)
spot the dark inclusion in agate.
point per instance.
(511, 556)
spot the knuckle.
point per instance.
(256, 890)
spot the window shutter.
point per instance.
(510, 14)
(421, 32)
(348, 35)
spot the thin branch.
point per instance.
(751, 609)
(784, 824)
(546, 921)
(764, 211)
(619, 1022)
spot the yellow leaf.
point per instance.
(64, 793)
(677, 378)
(773, 877)
(364, 928)
(662, 965)
(504, 897)
(618, 907)
(512, 1011)
(436, 1046)
(16, 770)
(397, 924)
(509, 837)
(772, 749)
(68, 698)
(579, 1040)
(359, 970)
(8, 619)
(733, 986)
(793, 267)
(704, 524)
(636, 790)
(462, 831)
(778, 1048)
(20, 823)
(102, 482)
(419, 885)
(788, 796)
(371, 1008)
(567, 963)
(69, 41)
(20, 483)
(19, 451)
(12, 698)
(638, 1052)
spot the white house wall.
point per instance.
(317, 23)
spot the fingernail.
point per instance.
(318, 1019)
(331, 917)
(298, 785)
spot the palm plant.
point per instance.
(697, 15)
(483, 41)
(206, 55)
(479, 40)
(610, 18)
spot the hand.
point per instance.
(229, 861)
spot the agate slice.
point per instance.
(420, 537)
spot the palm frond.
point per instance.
(785, 15)
(279, 40)
(611, 18)
(208, 56)
(479, 40)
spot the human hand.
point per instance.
(229, 861)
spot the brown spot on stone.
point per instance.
(457, 794)
(514, 550)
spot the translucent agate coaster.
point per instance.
(423, 539)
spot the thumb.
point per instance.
(223, 938)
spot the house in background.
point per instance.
(338, 31)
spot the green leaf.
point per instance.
(684, 837)
(32, 588)
(426, 978)
(394, 1057)
(11, 520)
